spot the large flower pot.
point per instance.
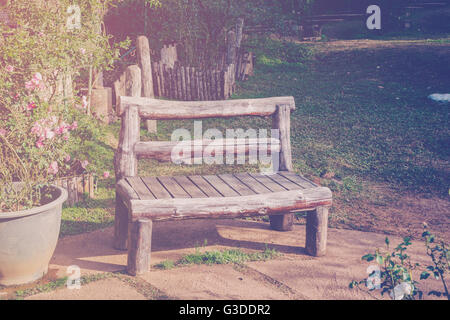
(28, 239)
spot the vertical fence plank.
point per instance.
(179, 88)
(222, 84)
(200, 85)
(183, 83)
(171, 83)
(205, 78)
(161, 75)
(192, 79)
(188, 85)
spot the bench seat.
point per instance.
(223, 195)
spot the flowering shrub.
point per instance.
(42, 137)
(33, 146)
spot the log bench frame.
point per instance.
(134, 216)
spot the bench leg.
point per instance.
(120, 225)
(316, 231)
(283, 222)
(139, 246)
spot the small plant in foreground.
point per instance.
(220, 257)
(393, 273)
(439, 254)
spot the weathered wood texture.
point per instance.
(173, 110)
(316, 231)
(169, 79)
(145, 64)
(230, 207)
(284, 222)
(169, 55)
(76, 187)
(141, 200)
(120, 222)
(282, 121)
(125, 157)
(140, 244)
(185, 151)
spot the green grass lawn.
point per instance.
(363, 126)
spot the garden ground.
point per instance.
(287, 273)
(363, 127)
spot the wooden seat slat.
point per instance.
(288, 184)
(237, 185)
(189, 187)
(156, 188)
(268, 183)
(175, 190)
(204, 185)
(252, 183)
(302, 181)
(140, 188)
(221, 186)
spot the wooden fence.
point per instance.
(169, 79)
(76, 187)
(188, 83)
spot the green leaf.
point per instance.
(380, 259)
(368, 257)
(424, 275)
(386, 241)
(436, 275)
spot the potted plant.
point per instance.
(39, 55)
(33, 147)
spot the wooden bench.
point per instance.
(142, 200)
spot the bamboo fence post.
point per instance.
(179, 80)
(183, 83)
(188, 85)
(200, 85)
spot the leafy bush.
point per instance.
(199, 27)
(393, 273)
(39, 136)
(34, 141)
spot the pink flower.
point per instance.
(35, 82)
(67, 158)
(2, 132)
(64, 128)
(106, 174)
(31, 106)
(66, 137)
(29, 85)
(36, 129)
(40, 143)
(49, 134)
(9, 68)
(83, 51)
(37, 77)
(53, 169)
(74, 125)
(84, 164)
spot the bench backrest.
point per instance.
(133, 109)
